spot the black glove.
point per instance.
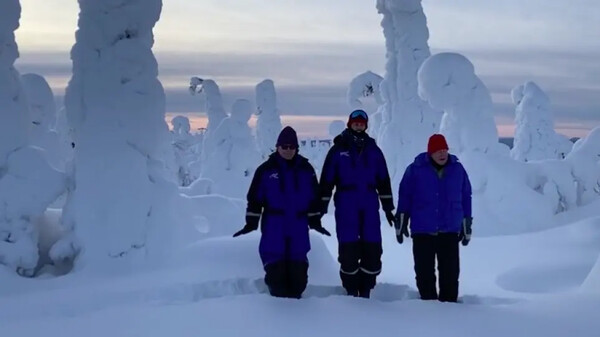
(247, 229)
(315, 223)
(391, 219)
(465, 233)
(402, 220)
(251, 225)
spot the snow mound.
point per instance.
(576, 248)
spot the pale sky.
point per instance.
(313, 48)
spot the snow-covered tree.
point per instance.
(27, 183)
(42, 111)
(365, 85)
(235, 157)
(535, 138)
(554, 180)
(214, 102)
(186, 150)
(121, 201)
(565, 145)
(585, 164)
(449, 83)
(406, 120)
(214, 110)
(268, 124)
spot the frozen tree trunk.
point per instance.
(119, 203)
(406, 121)
(27, 183)
(268, 124)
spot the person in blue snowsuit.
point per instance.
(356, 168)
(434, 200)
(284, 196)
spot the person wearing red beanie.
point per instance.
(434, 200)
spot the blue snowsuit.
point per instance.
(435, 204)
(286, 194)
(437, 199)
(356, 168)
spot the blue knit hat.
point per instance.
(287, 137)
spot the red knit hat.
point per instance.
(436, 143)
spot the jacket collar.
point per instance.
(425, 159)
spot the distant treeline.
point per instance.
(511, 140)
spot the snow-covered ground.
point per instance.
(522, 285)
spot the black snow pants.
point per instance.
(286, 278)
(443, 247)
(360, 263)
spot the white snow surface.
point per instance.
(537, 284)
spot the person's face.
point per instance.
(440, 157)
(287, 151)
(358, 126)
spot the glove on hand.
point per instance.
(315, 223)
(465, 233)
(402, 220)
(247, 229)
(390, 218)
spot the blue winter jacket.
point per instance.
(284, 194)
(360, 177)
(435, 204)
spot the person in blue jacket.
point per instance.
(285, 193)
(356, 168)
(434, 200)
